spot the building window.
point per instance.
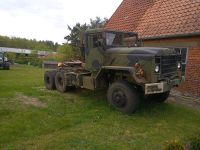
(184, 53)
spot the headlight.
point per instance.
(179, 65)
(157, 69)
(60, 64)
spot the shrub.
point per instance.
(50, 57)
(194, 142)
(22, 59)
(11, 56)
(174, 145)
(31, 59)
(65, 52)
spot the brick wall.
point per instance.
(192, 83)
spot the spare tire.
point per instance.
(60, 82)
(49, 80)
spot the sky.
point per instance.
(48, 19)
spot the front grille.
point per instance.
(168, 66)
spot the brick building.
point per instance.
(166, 23)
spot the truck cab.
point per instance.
(114, 60)
(107, 50)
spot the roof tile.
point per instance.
(152, 18)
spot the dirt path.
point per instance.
(177, 97)
(30, 100)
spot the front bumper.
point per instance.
(161, 87)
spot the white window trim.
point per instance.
(186, 59)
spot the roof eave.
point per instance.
(171, 36)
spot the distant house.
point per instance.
(166, 23)
(25, 51)
(15, 50)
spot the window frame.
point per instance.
(186, 58)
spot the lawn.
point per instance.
(32, 117)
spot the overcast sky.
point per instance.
(48, 19)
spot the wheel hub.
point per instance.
(60, 80)
(48, 80)
(119, 98)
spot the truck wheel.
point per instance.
(123, 97)
(49, 80)
(6, 66)
(162, 97)
(60, 82)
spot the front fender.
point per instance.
(131, 70)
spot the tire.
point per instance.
(122, 96)
(6, 66)
(49, 80)
(160, 98)
(60, 82)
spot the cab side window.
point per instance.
(93, 40)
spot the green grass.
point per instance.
(82, 119)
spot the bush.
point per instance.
(174, 145)
(11, 57)
(31, 59)
(194, 142)
(22, 59)
(50, 57)
(36, 62)
(65, 53)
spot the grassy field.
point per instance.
(32, 117)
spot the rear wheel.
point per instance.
(60, 82)
(6, 66)
(49, 80)
(123, 97)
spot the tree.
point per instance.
(65, 52)
(15, 42)
(76, 33)
(98, 23)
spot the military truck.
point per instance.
(113, 60)
(4, 62)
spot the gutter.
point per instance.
(171, 36)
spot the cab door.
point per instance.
(94, 54)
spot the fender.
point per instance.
(131, 70)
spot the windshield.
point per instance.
(1, 55)
(120, 39)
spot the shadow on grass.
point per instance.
(145, 107)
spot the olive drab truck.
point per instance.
(4, 62)
(113, 60)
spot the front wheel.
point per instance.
(123, 97)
